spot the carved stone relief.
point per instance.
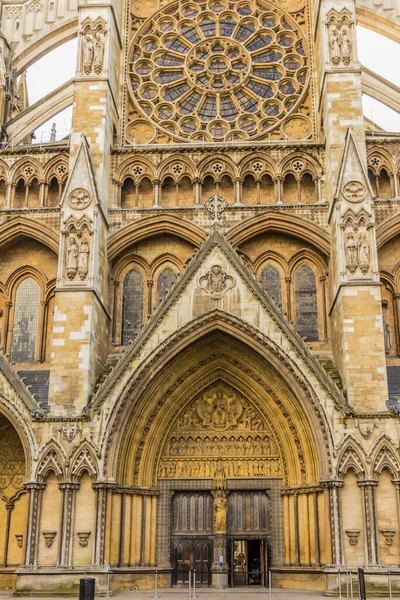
(354, 192)
(79, 199)
(216, 282)
(216, 206)
(220, 435)
(220, 512)
(93, 46)
(357, 247)
(340, 41)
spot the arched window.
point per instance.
(270, 280)
(306, 303)
(165, 281)
(26, 321)
(132, 306)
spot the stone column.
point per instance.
(9, 509)
(32, 537)
(368, 489)
(69, 490)
(333, 486)
(103, 492)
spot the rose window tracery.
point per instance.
(217, 70)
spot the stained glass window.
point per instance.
(271, 282)
(165, 281)
(26, 321)
(306, 303)
(132, 305)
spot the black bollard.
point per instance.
(86, 588)
(361, 584)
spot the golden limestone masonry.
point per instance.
(199, 298)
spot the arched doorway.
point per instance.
(13, 498)
(220, 415)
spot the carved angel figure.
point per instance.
(98, 53)
(363, 253)
(387, 335)
(72, 258)
(87, 52)
(335, 46)
(83, 260)
(216, 282)
(351, 253)
(345, 46)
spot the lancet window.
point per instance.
(26, 321)
(306, 303)
(270, 280)
(132, 306)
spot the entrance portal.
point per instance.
(248, 562)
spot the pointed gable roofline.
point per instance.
(216, 239)
(350, 141)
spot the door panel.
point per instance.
(191, 554)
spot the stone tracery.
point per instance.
(217, 71)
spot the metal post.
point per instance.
(339, 584)
(156, 585)
(108, 584)
(361, 585)
(351, 584)
(220, 578)
(270, 584)
(390, 585)
(190, 583)
(347, 584)
(194, 583)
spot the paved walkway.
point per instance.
(209, 594)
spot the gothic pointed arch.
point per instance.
(290, 225)
(84, 459)
(52, 459)
(384, 456)
(21, 226)
(151, 226)
(351, 458)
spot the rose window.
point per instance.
(217, 70)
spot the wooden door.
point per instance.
(192, 554)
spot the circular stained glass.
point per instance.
(219, 73)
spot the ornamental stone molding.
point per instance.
(353, 535)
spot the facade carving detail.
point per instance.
(220, 435)
(340, 37)
(216, 282)
(93, 46)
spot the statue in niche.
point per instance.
(220, 477)
(351, 253)
(363, 253)
(335, 45)
(345, 44)
(72, 257)
(387, 335)
(83, 260)
(98, 53)
(220, 510)
(87, 52)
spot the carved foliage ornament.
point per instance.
(79, 199)
(216, 206)
(216, 282)
(354, 192)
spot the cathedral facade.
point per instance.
(199, 297)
